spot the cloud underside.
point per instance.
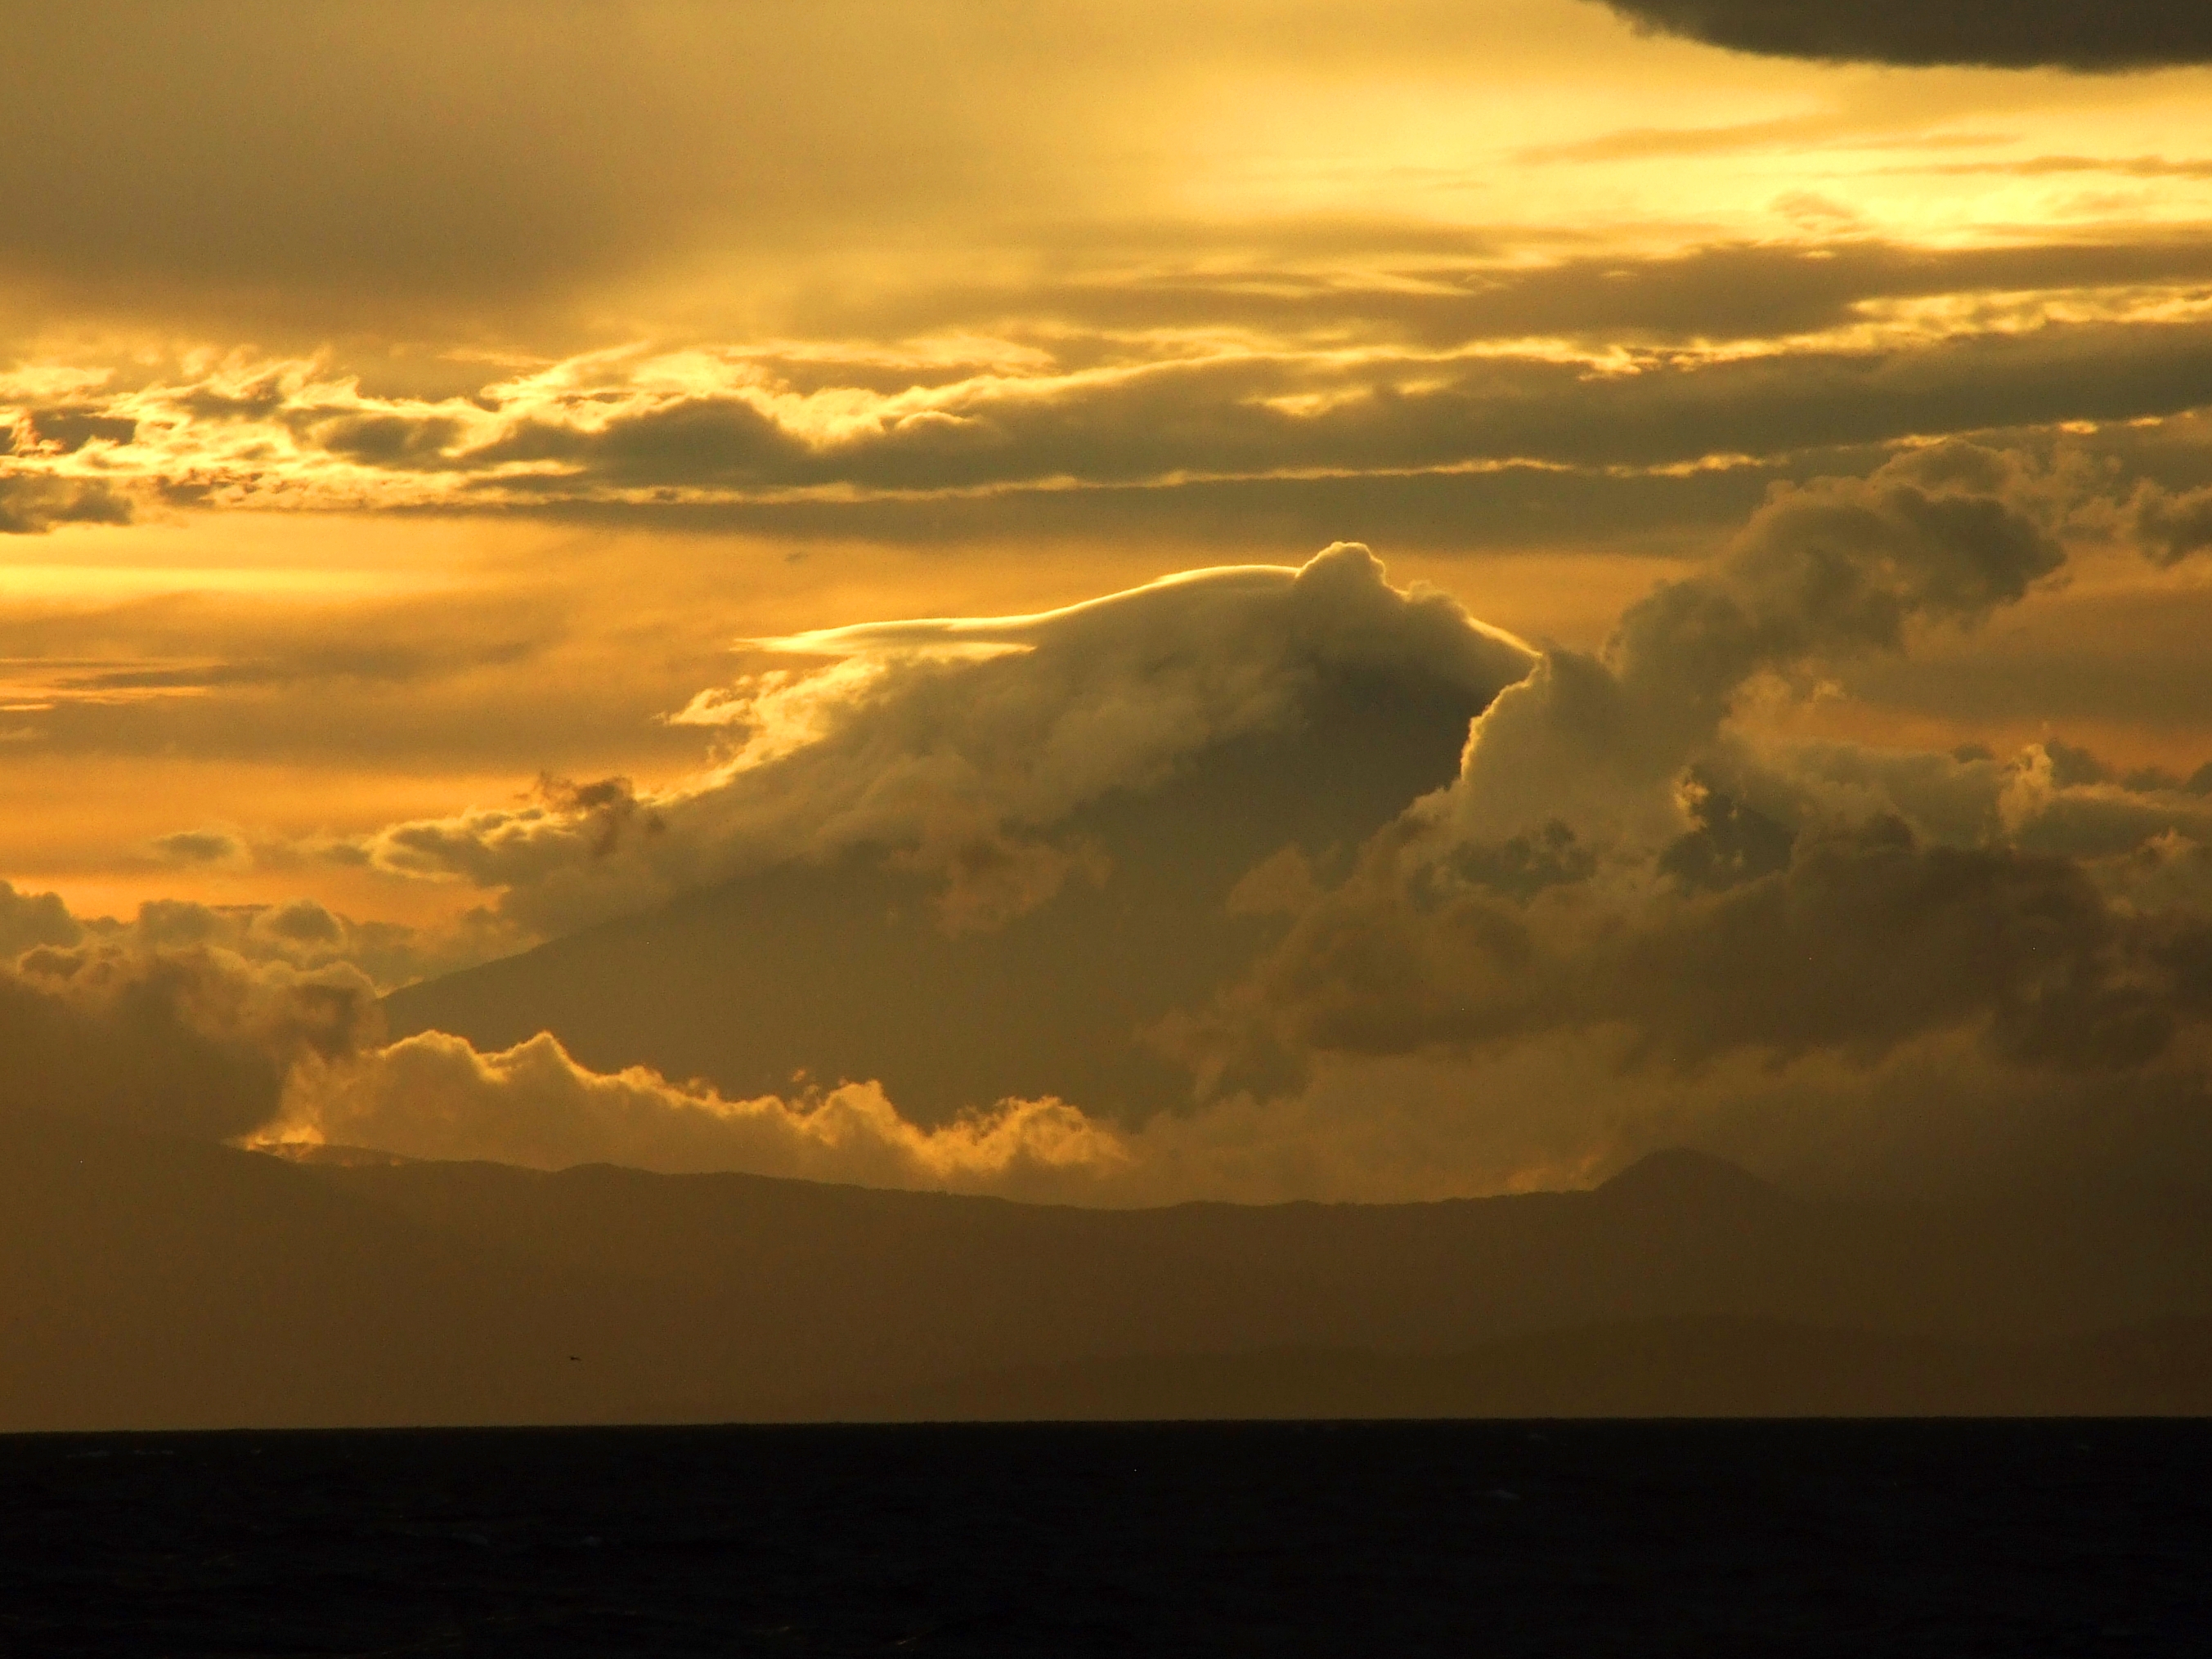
(1503, 379)
(187, 1044)
(2130, 35)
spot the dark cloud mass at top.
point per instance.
(2123, 35)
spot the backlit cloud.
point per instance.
(457, 458)
(961, 744)
(193, 1041)
(433, 1096)
(1726, 357)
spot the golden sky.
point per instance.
(416, 408)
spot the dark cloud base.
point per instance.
(30, 504)
(185, 1042)
(2123, 35)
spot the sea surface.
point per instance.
(1361, 1539)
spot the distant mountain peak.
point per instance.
(1680, 1175)
(337, 1157)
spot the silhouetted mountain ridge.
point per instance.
(147, 1283)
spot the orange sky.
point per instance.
(474, 398)
(409, 410)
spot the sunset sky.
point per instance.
(425, 415)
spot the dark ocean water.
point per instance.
(1866, 1538)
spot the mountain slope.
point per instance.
(846, 969)
(147, 1283)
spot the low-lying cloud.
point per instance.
(1863, 941)
(434, 1095)
(152, 1029)
(193, 1041)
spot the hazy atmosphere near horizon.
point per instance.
(1114, 604)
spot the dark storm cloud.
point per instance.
(1164, 425)
(1615, 858)
(1187, 385)
(33, 918)
(1512, 509)
(65, 431)
(1275, 414)
(31, 503)
(187, 1041)
(377, 439)
(2123, 35)
(2172, 526)
(1723, 291)
(1866, 940)
(200, 846)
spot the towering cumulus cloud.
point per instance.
(1256, 882)
(971, 858)
(2126, 34)
(961, 744)
(1617, 861)
(1831, 570)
